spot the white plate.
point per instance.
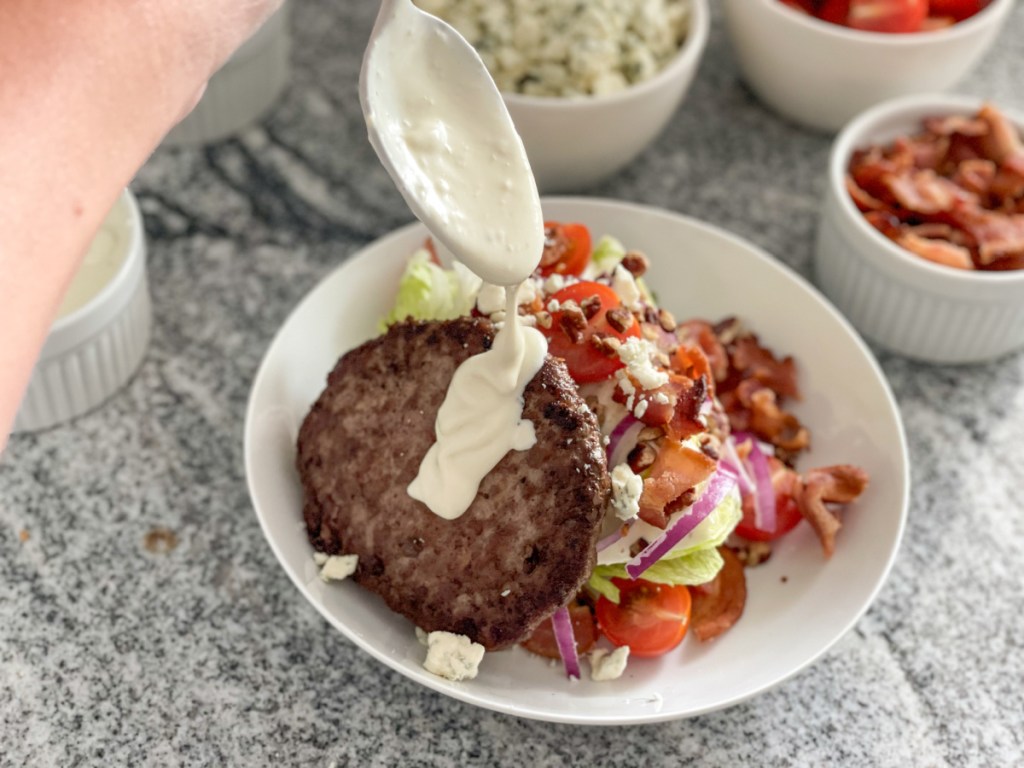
(799, 604)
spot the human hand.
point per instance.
(87, 91)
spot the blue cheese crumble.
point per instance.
(605, 665)
(453, 657)
(567, 47)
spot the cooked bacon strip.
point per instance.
(1008, 184)
(754, 360)
(676, 470)
(953, 195)
(975, 175)
(781, 428)
(838, 484)
(701, 334)
(717, 605)
(1002, 139)
(863, 200)
(923, 192)
(937, 251)
(998, 235)
(950, 124)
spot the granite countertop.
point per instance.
(144, 619)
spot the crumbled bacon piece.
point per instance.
(719, 604)
(938, 251)
(953, 194)
(838, 484)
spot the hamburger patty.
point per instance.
(527, 542)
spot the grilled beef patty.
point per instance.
(525, 545)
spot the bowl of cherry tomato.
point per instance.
(821, 62)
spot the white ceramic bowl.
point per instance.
(799, 603)
(91, 352)
(573, 143)
(821, 75)
(902, 301)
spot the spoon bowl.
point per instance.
(442, 131)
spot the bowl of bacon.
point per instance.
(921, 236)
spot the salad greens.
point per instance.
(694, 561)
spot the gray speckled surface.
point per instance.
(110, 654)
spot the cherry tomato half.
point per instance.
(650, 618)
(887, 15)
(834, 11)
(586, 362)
(543, 643)
(957, 9)
(787, 515)
(566, 249)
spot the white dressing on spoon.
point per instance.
(443, 132)
(441, 129)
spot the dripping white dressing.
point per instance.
(444, 134)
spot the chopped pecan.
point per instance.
(666, 320)
(620, 318)
(591, 306)
(635, 263)
(642, 456)
(650, 433)
(753, 553)
(606, 344)
(572, 321)
(544, 319)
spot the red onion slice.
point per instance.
(718, 486)
(610, 539)
(732, 461)
(623, 440)
(566, 639)
(764, 491)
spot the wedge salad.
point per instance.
(701, 450)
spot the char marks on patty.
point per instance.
(526, 544)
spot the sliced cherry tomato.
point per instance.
(787, 515)
(543, 643)
(586, 362)
(650, 618)
(566, 249)
(887, 15)
(834, 11)
(957, 9)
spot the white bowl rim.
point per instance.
(989, 14)
(856, 134)
(116, 283)
(687, 57)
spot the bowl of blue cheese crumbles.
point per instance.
(589, 85)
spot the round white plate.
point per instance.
(798, 605)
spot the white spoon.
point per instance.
(442, 131)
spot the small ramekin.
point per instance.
(575, 142)
(243, 90)
(91, 353)
(821, 75)
(901, 301)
